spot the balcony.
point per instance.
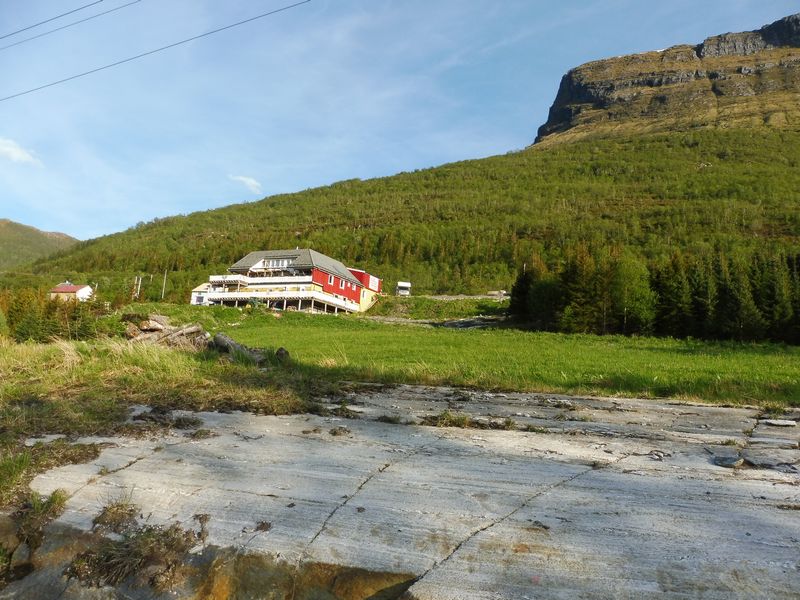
(251, 281)
(214, 297)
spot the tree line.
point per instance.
(747, 296)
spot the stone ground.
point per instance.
(601, 498)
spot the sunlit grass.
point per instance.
(349, 348)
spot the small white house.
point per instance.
(69, 291)
(403, 288)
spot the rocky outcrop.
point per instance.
(785, 32)
(509, 496)
(734, 79)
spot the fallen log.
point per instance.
(224, 343)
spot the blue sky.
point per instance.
(331, 90)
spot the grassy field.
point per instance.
(348, 348)
(328, 348)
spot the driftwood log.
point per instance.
(155, 329)
(224, 343)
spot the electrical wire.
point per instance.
(142, 55)
(36, 37)
(2, 37)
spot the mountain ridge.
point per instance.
(748, 79)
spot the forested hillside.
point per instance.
(20, 244)
(471, 226)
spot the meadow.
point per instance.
(357, 349)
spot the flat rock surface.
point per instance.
(601, 498)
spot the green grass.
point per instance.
(347, 348)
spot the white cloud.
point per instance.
(248, 182)
(11, 150)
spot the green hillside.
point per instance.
(20, 244)
(470, 226)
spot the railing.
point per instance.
(282, 295)
(244, 280)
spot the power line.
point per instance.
(36, 37)
(2, 37)
(138, 56)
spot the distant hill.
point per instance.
(749, 80)
(21, 244)
(695, 149)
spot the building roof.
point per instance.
(68, 288)
(301, 258)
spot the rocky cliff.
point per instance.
(730, 80)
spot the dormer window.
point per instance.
(278, 263)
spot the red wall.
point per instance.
(321, 278)
(363, 277)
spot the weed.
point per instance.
(345, 412)
(772, 410)
(536, 429)
(508, 424)
(336, 431)
(187, 422)
(34, 515)
(118, 516)
(153, 554)
(203, 519)
(393, 419)
(447, 419)
(580, 418)
(12, 469)
(163, 417)
(201, 434)
(730, 442)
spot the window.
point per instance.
(341, 284)
(330, 279)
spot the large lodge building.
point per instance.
(300, 279)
